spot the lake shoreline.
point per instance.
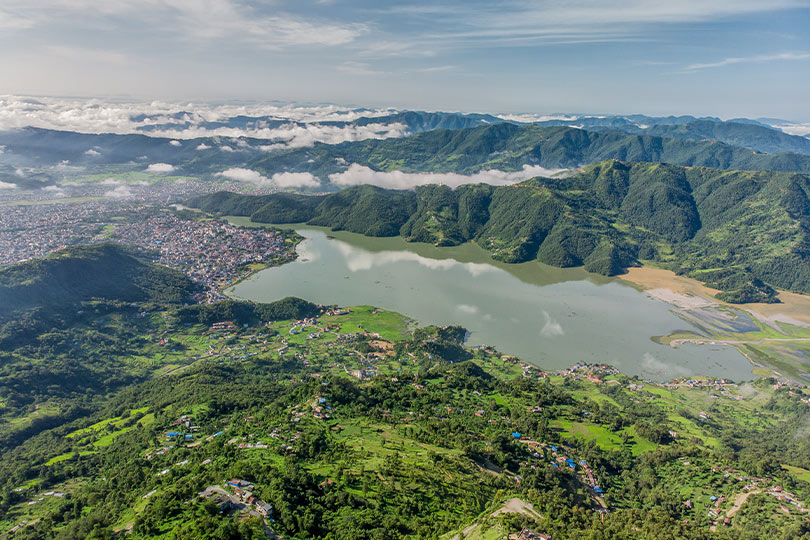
(669, 287)
(546, 316)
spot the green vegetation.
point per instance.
(74, 275)
(247, 313)
(744, 233)
(353, 424)
(756, 137)
(509, 147)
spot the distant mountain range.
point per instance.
(738, 231)
(760, 135)
(442, 142)
(509, 147)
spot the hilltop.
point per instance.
(74, 275)
(743, 232)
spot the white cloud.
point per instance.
(223, 21)
(245, 175)
(7, 185)
(175, 143)
(160, 168)
(749, 60)
(293, 180)
(528, 118)
(100, 116)
(120, 192)
(577, 21)
(283, 125)
(55, 190)
(92, 152)
(551, 328)
(802, 130)
(359, 174)
(281, 180)
(359, 68)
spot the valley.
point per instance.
(378, 324)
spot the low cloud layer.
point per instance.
(284, 126)
(283, 180)
(55, 191)
(7, 185)
(120, 192)
(291, 180)
(160, 168)
(802, 130)
(529, 118)
(359, 174)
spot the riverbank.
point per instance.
(666, 285)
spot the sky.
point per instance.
(725, 58)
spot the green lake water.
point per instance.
(551, 317)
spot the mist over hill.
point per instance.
(35, 156)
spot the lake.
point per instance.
(551, 317)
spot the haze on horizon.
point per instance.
(722, 58)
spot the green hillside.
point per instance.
(62, 281)
(743, 232)
(509, 147)
(747, 135)
(370, 431)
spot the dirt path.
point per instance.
(738, 503)
(512, 506)
(741, 498)
(517, 506)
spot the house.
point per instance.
(263, 508)
(242, 484)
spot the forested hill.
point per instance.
(510, 147)
(451, 148)
(753, 136)
(60, 282)
(735, 230)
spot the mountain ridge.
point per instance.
(742, 232)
